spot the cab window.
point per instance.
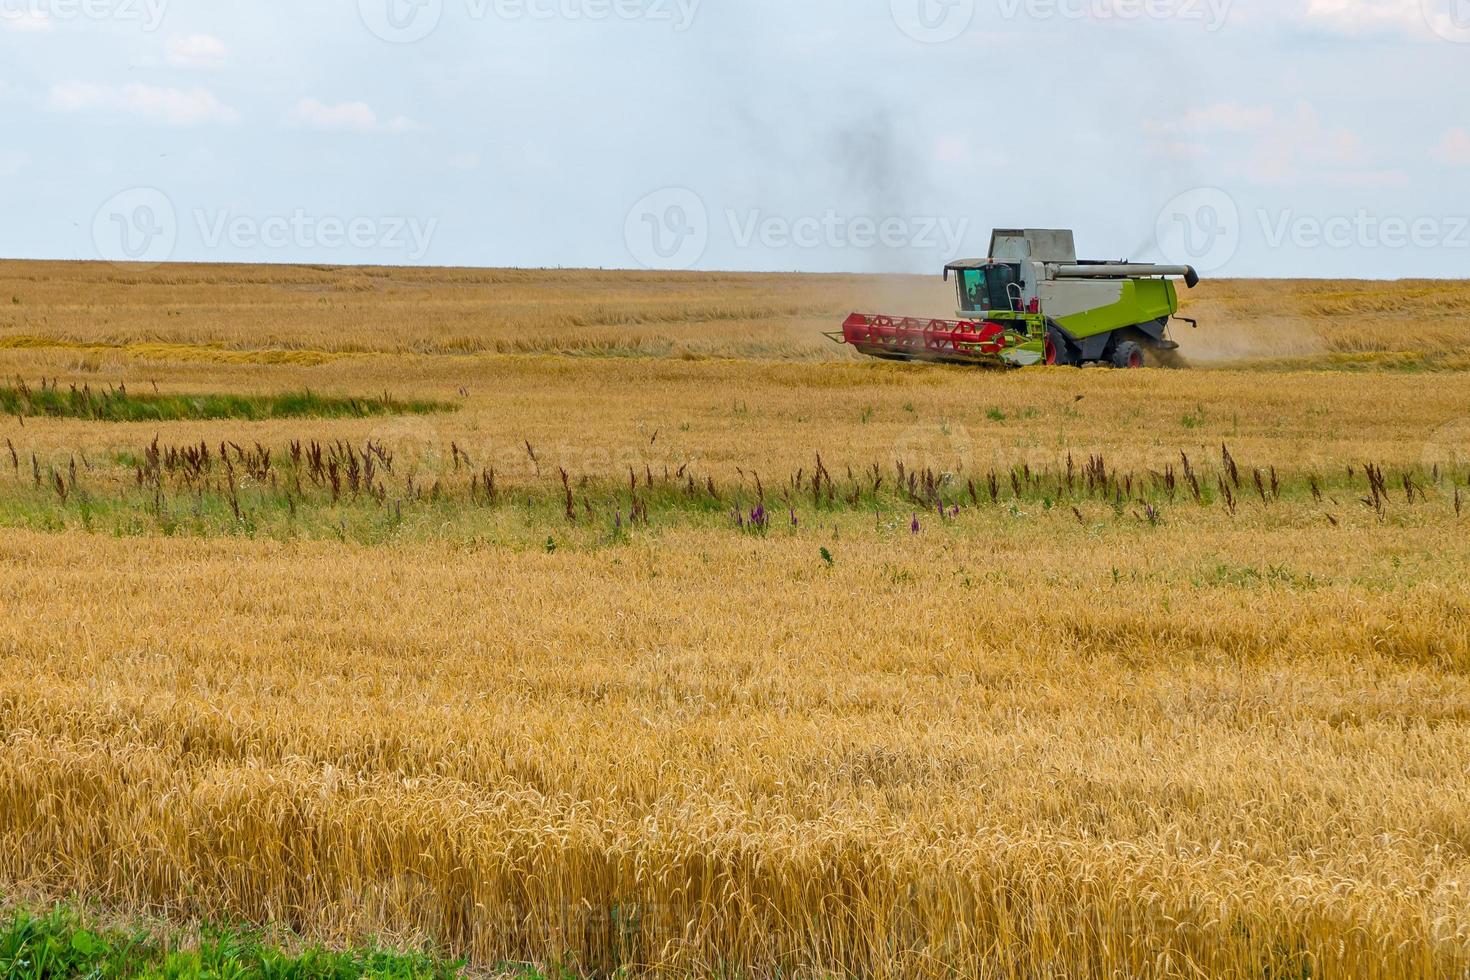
(991, 288)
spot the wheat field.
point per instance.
(680, 642)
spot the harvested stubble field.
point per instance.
(671, 639)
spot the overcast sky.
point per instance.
(1250, 137)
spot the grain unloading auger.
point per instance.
(1033, 302)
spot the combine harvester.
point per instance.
(1033, 302)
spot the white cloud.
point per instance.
(351, 117)
(1292, 146)
(26, 21)
(1365, 17)
(197, 51)
(1454, 149)
(1270, 146)
(169, 106)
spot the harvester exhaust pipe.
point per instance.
(1125, 270)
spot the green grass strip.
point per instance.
(121, 405)
(59, 944)
(64, 943)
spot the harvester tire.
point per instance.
(1128, 355)
(1057, 351)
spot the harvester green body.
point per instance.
(1031, 301)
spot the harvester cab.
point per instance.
(1031, 301)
